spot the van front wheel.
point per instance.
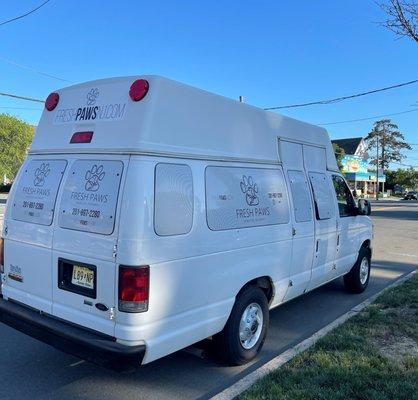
(357, 279)
(246, 329)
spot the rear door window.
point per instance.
(36, 192)
(323, 196)
(90, 196)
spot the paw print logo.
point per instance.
(250, 189)
(92, 96)
(40, 174)
(93, 178)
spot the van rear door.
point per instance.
(85, 239)
(29, 232)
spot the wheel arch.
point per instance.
(265, 283)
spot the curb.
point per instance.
(243, 384)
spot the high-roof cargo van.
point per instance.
(150, 215)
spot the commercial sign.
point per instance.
(37, 191)
(90, 196)
(245, 197)
(354, 164)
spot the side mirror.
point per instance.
(364, 207)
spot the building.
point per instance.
(359, 174)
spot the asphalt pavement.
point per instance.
(33, 370)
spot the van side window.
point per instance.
(36, 193)
(245, 197)
(324, 201)
(173, 202)
(300, 193)
(345, 200)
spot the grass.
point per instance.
(373, 355)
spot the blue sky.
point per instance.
(273, 53)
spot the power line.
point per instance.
(34, 70)
(14, 96)
(20, 108)
(23, 15)
(338, 99)
(368, 118)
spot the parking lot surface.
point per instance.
(33, 370)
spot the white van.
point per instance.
(150, 215)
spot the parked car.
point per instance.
(411, 195)
(150, 215)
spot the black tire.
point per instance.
(354, 281)
(227, 343)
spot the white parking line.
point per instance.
(243, 384)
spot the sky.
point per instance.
(271, 52)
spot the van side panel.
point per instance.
(194, 277)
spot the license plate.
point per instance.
(83, 276)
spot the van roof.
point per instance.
(173, 119)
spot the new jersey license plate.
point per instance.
(83, 276)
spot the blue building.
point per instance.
(359, 174)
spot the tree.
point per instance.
(339, 154)
(403, 17)
(407, 178)
(15, 138)
(391, 143)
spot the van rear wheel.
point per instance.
(246, 329)
(357, 279)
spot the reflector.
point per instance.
(138, 89)
(52, 101)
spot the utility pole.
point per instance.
(377, 165)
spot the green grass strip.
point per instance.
(373, 355)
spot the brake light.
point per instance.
(133, 289)
(52, 101)
(82, 137)
(138, 89)
(2, 255)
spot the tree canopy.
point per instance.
(339, 154)
(391, 143)
(15, 138)
(407, 178)
(402, 17)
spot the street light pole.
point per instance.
(377, 165)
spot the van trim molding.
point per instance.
(157, 154)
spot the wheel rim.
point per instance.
(250, 326)
(364, 270)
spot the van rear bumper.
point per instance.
(87, 344)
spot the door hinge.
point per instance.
(293, 231)
(112, 313)
(290, 283)
(115, 251)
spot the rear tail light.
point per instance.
(138, 89)
(52, 101)
(133, 289)
(1, 255)
(82, 137)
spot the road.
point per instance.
(33, 370)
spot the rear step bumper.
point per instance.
(92, 346)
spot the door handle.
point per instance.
(317, 246)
